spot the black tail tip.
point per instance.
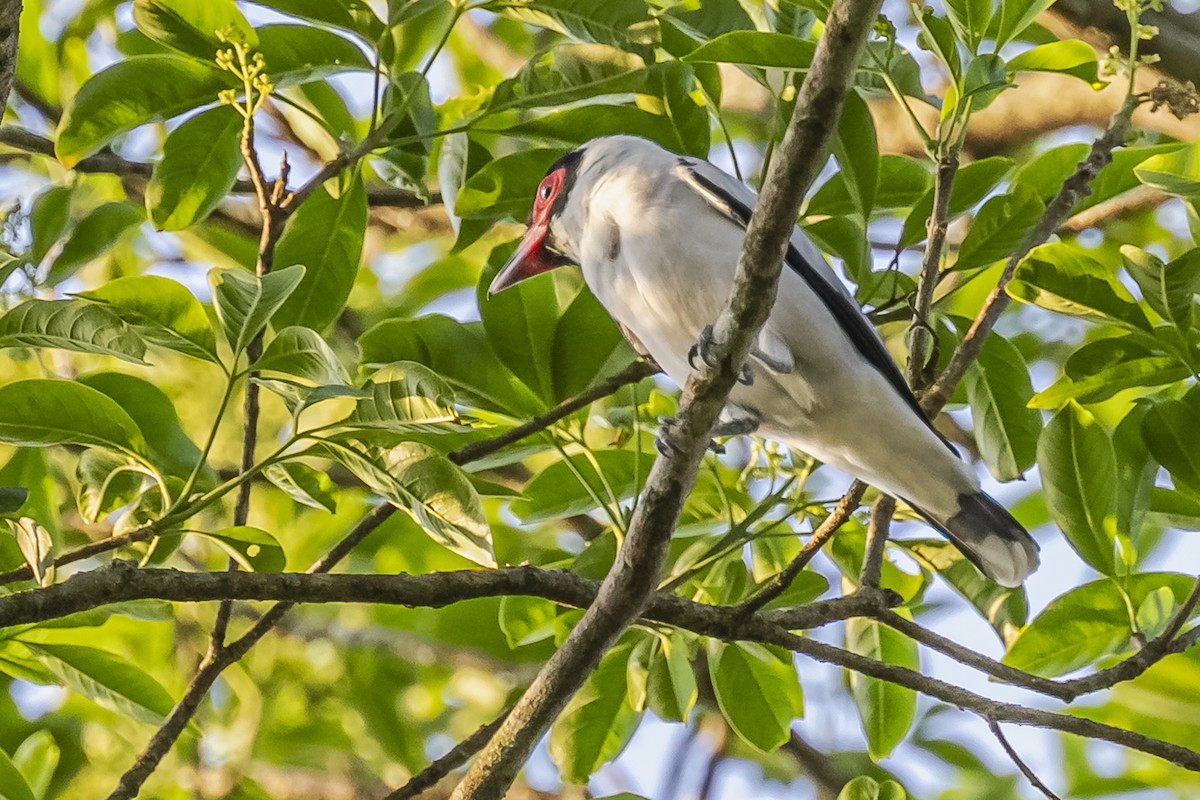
(992, 540)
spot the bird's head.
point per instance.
(546, 244)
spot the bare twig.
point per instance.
(827, 778)
(829, 526)
(458, 755)
(1029, 774)
(877, 534)
(1136, 199)
(920, 330)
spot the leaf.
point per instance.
(865, 787)
(1136, 472)
(37, 759)
(758, 692)
(597, 723)
(12, 784)
(1154, 613)
(1061, 279)
(669, 93)
(1067, 57)
(302, 53)
(671, 689)
(302, 353)
(48, 218)
(526, 620)
(756, 49)
(998, 390)
(972, 183)
(885, 709)
(1015, 16)
(132, 92)
(1001, 224)
(252, 548)
(1169, 429)
(192, 27)
(244, 302)
(39, 412)
(403, 395)
(200, 164)
(520, 324)
(71, 325)
(350, 15)
(556, 492)
(1076, 629)
(106, 679)
(435, 492)
(162, 310)
(1004, 608)
(106, 482)
(36, 546)
(326, 235)
(1176, 172)
(170, 447)
(986, 77)
(505, 185)
(621, 23)
(12, 498)
(92, 236)
(1079, 477)
(1093, 388)
(857, 152)
(585, 341)
(567, 73)
(408, 114)
(970, 19)
(304, 484)
(1169, 289)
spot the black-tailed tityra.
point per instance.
(658, 236)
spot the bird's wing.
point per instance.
(735, 201)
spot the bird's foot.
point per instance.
(668, 427)
(702, 349)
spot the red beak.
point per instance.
(529, 259)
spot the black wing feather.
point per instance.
(848, 316)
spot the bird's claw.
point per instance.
(666, 447)
(703, 347)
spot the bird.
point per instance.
(658, 235)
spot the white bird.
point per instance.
(658, 237)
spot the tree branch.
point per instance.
(10, 31)
(1029, 774)
(629, 584)
(428, 778)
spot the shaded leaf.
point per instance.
(756, 49)
(1058, 277)
(70, 325)
(92, 236)
(192, 27)
(244, 302)
(570, 72)
(12, 783)
(758, 691)
(200, 164)
(304, 484)
(1169, 429)
(885, 709)
(107, 680)
(1001, 224)
(1169, 289)
(597, 723)
(302, 353)
(163, 310)
(998, 390)
(252, 548)
(41, 412)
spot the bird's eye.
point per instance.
(544, 192)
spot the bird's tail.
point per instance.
(990, 538)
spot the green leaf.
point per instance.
(302, 353)
(1176, 172)
(585, 341)
(132, 92)
(885, 709)
(621, 23)
(669, 92)
(94, 234)
(526, 620)
(1169, 429)
(756, 49)
(937, 37)
(457, 352)
(998, 390)
(1156, 612)
(505, 186)
(597, 723)
(408, 114)
(36, 546)
(192, 27)
(244, 302)
(1002, 223)
(326, 235)
(107, 680)
(37, 758)
(857, 153)
(972, 183)
(758, 691)
(556, 492)
(71, 325)
(12, 498)
(162, 310)
(1005, 609)
(304, 484)
(671, 684)
(1068, 57)
(1015, 16)
(986, 77)
(435, 492)
(151, 409)
(48, 218)
(867, 788)
(1101, 385)
(355, 16)
(1136, 472)
(12, 783)
(106, 482)
(302, 53)
(1059, 278)
(200, 164)
(1076, 629)
(1169, 289)
(253, 549)
(1079, 477)
(567, 73)
(520, 323)
(970, 19)
(38, 412)
(402, 395)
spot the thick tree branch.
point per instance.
(10, 30)
(630, 583)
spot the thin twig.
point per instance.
(1029, 774)
(461, 753)
(829, 526)
(877, 534)
(920, 330)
